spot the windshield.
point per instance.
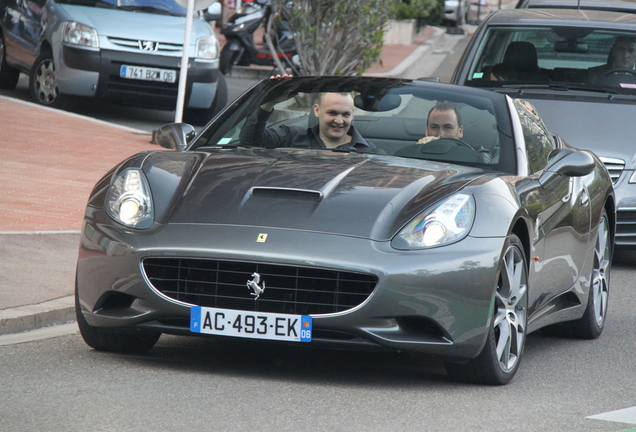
(375, 116)
(569, 57)
(162, 7)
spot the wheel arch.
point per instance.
(521, 230)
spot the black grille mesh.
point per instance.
(288, 289)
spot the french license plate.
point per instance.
(255, 325)
(148, 74)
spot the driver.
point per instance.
(445, 121)
(621, 56)
(334, 130)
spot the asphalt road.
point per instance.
(185, 383)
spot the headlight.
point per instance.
(129, 201)
(632, 179)
(79, 34)
(448, 222)
(207, 48)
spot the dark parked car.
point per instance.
(427, 248)
(561, 61)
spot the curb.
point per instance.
(32, 317)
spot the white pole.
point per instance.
(183, 74)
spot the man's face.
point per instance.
(335, 114)
(624, 54)
(444, 124)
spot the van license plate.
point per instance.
(254, 325)
(148, 74)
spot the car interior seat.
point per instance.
(521, 59)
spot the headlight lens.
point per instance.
(207, 48)
(129, 201)
(632, 179)
(448, 222)
(79, 34)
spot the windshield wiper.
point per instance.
(557, 86)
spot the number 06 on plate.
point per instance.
(254, 325)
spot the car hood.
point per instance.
(136, 25)
(602, 127)
(346, 194)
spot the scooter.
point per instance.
(240, 48)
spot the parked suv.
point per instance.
(128, 51)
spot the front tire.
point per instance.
(8, 76)
(103, 340)
(499, 360)
(43, 82)
(227, 60)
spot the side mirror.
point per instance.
(567, 162)
(214, 12)
(174, 136)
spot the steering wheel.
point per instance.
(613, 77)
(618, 71)
(461, 143)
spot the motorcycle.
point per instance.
(240, 48)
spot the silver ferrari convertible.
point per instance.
(358, 213)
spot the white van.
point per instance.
(128, 51)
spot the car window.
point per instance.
(566, 56)
(539, 142)
(393, 121)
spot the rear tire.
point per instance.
(8, 76)
(200, 117)
(103, 340)
(499, 360)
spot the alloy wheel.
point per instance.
(511, 301)
(600, 274)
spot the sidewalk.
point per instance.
(49, 162)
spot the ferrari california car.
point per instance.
(563, 62)
(454, 248)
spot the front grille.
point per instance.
(163, 48)
(614, 166)
(288, 289)
(626, 227)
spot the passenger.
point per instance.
(334, 129)
(621, 56)
(445, 121)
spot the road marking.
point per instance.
(626, 415)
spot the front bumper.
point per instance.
(96, 73)
(435, 302)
